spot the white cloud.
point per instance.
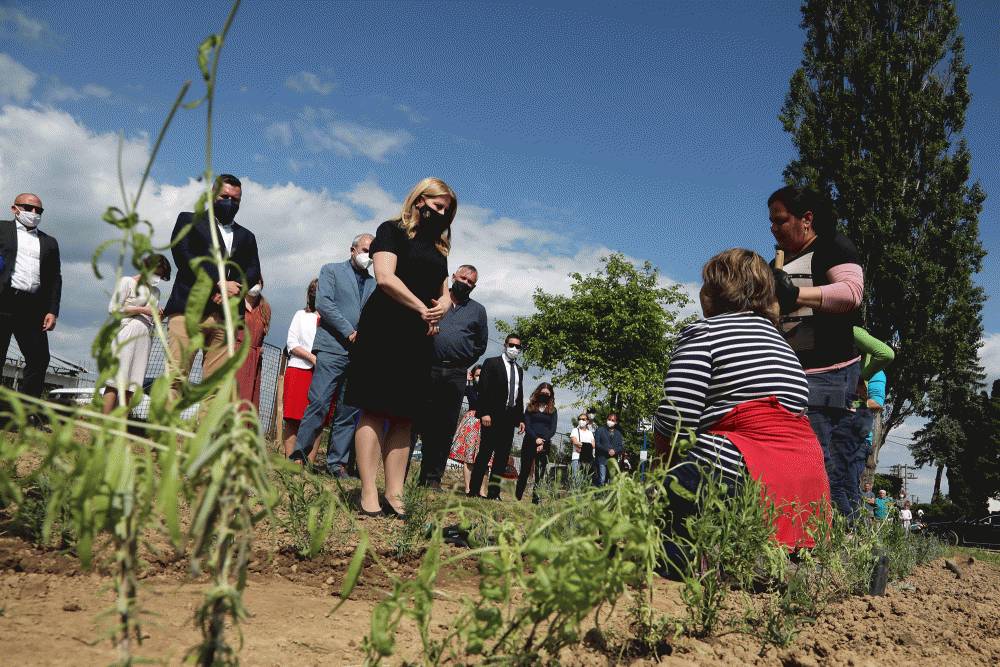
(320, 130)
(16, 80)
(57, 91)
(21, 25)
(308, 82)
(989, 357)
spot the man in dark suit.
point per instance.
(501, 408)
(341, 293)
(30, 288)
(192, 252)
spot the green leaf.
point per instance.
(353, 573)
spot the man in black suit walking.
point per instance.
(192, 252)
(30, 288)
(501, 408)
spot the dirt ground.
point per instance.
(50, 614)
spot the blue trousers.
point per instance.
(327, 382)
(836, 428)
(863, 420)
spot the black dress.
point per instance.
(390, 367)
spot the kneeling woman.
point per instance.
(738, 385)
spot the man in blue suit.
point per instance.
(343, 289)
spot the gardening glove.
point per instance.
(786, 291)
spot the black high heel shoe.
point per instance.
(365, 513)
(389, 510)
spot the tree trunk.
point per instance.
(937, 482)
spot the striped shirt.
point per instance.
(719, 363)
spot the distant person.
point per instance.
(883, 503)
(389, 377)
(734, 381)
(136, 298)
(342, 291)
(868, 500)
(299, 372)
(460, 341)
(465, 444)
(609, 443)
(30, 290)
(819, 292)
(582, 439)
(193, 256)
(540, 419)
(501, 409)
(257, 318)
(592, 419)
(906, 516)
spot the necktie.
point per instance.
(510, 390)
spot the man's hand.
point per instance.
(874, 405)
(353, 337)
(786, 291)
(232, 288)
(487, 421)
(520, 427)
(49, 322)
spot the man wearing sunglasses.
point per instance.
(501, 408)
(30, 288)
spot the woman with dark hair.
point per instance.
(390, 370)
(819, 290)
(540, 418)
(735, 382)
(135, 297)
(299, 372)
(466, 442)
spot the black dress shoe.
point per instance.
(390, 510)
(378, 513)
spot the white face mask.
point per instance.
(362, 260)
(255, 291)
(612, 424)
(29, 219)
(154, 281)
(512, 353)
(582, 422)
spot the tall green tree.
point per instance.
(876, 112)
(974, 473)
(610, 340)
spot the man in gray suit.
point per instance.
(343, 289)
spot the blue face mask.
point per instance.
(225, 210)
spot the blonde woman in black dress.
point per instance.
(389, 373)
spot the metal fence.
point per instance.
(270, 375)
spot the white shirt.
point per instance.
(906, 516)
(584, 435)
(226, 232)
(27, 274)
(508, 366)
(129, 293)
(301, 333)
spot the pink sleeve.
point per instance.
(843, 294)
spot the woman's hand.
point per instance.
(539, 441)
(539, 448)
(433, 329)
(472, 412)
(434, 313)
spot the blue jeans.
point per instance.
(601, 472)
(836, 428)
(327, 382)
(863, 420)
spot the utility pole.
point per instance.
(904, 472)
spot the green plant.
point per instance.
(308, 509)
(418, 512)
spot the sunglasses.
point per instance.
(515, 346)
(31, 208)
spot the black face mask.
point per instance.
(431, 220)
(460, 290)
(544, 398)
(225, 210)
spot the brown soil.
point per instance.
(51, 615)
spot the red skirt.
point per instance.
(781, 450)
(295, 396)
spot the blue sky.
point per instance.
(567, 129)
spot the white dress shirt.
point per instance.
(508, 366)
(226, 232)
(301, 333)
(27, 274)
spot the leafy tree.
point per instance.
(610, 341)
(974, 474)
(876, 112)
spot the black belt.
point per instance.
(22, 293)
(444, 363)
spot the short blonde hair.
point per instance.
(409, 218)
(738, 280)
